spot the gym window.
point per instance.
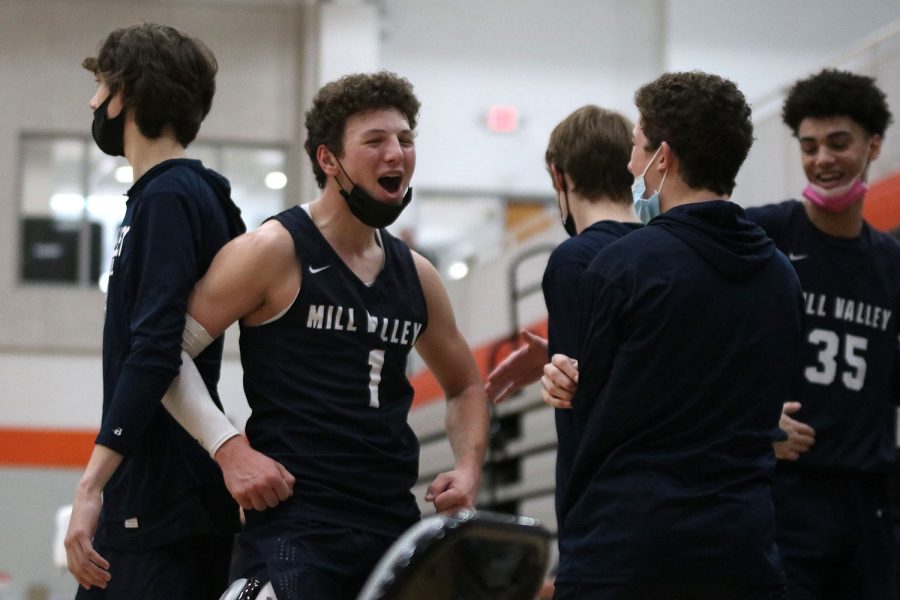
(73, 200)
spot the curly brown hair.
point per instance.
(593, 146)
(352, 94)
(833, 93)
(705, 119)
(166, 77)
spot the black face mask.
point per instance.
(109, 133)
(568, 223)
(369, 210)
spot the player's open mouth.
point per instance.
(827, 179)
(390, 183)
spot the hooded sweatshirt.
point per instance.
(178, 215)
(691, 330)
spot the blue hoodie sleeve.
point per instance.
(166, 271)
(602, 306)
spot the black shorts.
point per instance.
(310, 560)
(835, 535)
(194, 568)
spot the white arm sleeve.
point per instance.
(194, 338)
(188, 400)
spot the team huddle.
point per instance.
(723, 379)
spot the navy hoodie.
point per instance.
(691, 330)
(178, 215)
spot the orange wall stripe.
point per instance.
(70, 449)
(882, 205)
(47, 448)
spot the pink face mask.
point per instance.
(836, 199)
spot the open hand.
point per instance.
(522, 367)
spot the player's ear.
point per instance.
(559, 178)
(874, 147)
(327, 161)
(667, 157)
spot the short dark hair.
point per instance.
(833, 93)
(166, 77)
(705, 119)
(352, 94)
(592, 145)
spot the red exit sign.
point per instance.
(503, 119)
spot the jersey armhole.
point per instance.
(280, 313)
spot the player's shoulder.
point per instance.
(182, 186)
(260, 259)
(269, 242)
(885, 243)
(772, 214)
(626, 252)
(582, 248)
(174, 176)
(427, 272)
(568, 250)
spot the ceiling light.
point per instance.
(124, 174)
(458, 270)
(276, 180)
(67, 205)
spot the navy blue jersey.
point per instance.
(851, 290)
(328, 390)
(691, 328)
(562, 279)
(178, 215)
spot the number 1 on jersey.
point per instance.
(376, 361)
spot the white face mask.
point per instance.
(646, 208)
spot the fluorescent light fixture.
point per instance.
(276, 180)
(106, 207)
(66, 205)
(458, 270)
(124, 174)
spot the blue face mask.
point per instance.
(646, 208)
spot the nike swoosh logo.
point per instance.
(314, 271)
(795, 257)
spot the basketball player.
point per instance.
(587, 157)
(833, 503)
(330, 305)
(164, 524)
(690, 329)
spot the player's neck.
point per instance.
(676, 193)
(143, 153)
(846, 224)
(602, 209)
(339, 226)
